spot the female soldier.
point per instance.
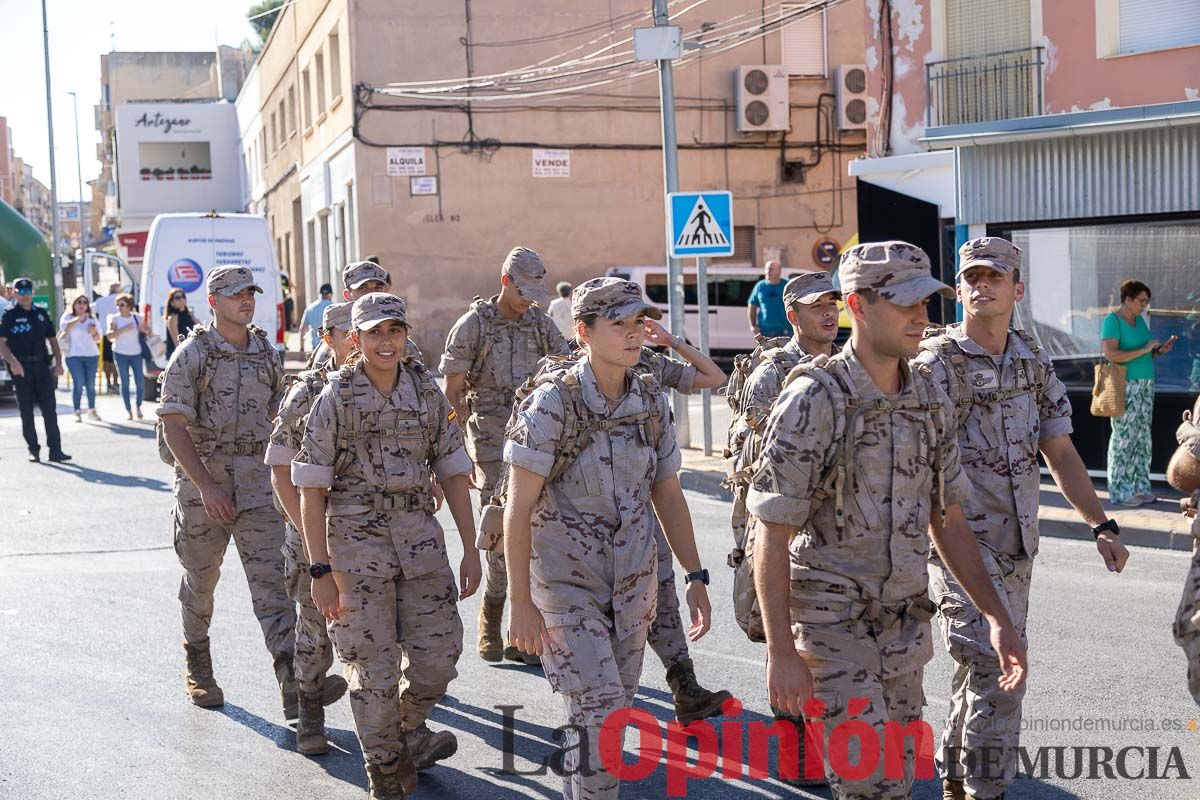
(372, 438)
(591, 449)
(314, 655)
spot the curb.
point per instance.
(1056, 523)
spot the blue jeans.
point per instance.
(83, 373)
(129, 370)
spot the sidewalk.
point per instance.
(1160, 525)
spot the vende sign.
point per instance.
(405, 161)
(551, 163)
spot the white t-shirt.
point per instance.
(560, 312)
(126, 343)
(105, 307)
(80, 341)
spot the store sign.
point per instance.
(161, 123)
(551, 163)
(405, 161)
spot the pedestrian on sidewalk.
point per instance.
(25, 332)
(80, 331)
(123, 330)
(178, 318)
(1009, 405)
(375, 438)
(106, 307)
(1125, 339)
(768, 318)
(310, 322)
(560, 309)
(578, 533)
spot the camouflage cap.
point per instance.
(357, 273)
(528, 273)
(229, 279)
(611, 298)
(376, 307)
(898, 272)
(990, 251)
(808, 287)
(337, 315)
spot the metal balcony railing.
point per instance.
(984, 88)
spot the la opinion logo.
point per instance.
(185, 274)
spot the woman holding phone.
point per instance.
(80, 331)
(1125, 339)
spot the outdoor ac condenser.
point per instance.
(762, 98)
(850, 83)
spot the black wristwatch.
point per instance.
(701, 576)
(319, 570)
(1108, 525)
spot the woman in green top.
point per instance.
(1125, 339)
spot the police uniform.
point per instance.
(592, 548)
(1187, 618)
(497, 355)
(1005, 406)
(400, 625)
(229, 397)
(314, 654)
(859, 610)
(27, 334)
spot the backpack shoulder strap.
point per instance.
(347, 423)
(836, 473)
(485, 311)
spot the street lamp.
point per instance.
(83, 234)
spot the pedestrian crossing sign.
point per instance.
(701, 224)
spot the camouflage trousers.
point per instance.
(667, 637)
(597, 674)
(400, 639)
(1187, 622)
(201, 542)
(495, 583)
(979, 743)
(314, 653)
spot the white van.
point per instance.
(181, 249)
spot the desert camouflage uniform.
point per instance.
(515, 350)
(1187, 618)
(230, 424)
(400, 634)
(314, 655)
(592, 555)
(859, 611)
(1005, 407)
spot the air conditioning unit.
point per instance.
(762, 99)
(850, 82)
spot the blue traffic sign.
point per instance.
(701, 224)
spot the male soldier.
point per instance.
(860, 460)
(219, 395)
(1009, 403)
(359, 278)
(314, 654)
(490, 352)
(1183, 472)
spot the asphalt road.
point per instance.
(92, 702)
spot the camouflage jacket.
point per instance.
(287, 437)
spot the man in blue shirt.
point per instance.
(767, 315)
(311, 322)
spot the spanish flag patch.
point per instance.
(453, 415)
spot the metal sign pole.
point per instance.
(702, 307)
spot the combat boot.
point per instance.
(333, 689)
(392, 781)
(953, 790)
(692, 701)
(426, 748)
(201, 686)
(491, 643)
(521, 657)
(285, 673)
(310, 729)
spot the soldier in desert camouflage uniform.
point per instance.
(359, 278)
(314, 654)
(1184, 474)
(1009, 404)
(219, 395)
(859, 466)
(374, 436)
(583, 596)
(490, 352)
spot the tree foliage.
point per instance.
(264, 23)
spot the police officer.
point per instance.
(490, 352)
(220, 392)
(24, 332)
(1183, 472)
(380, 570)
(359, 278)
(860, 464)
(1009, 405)
(314, 654)
(583, 596)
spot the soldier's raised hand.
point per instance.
(657, 335)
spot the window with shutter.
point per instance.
(802, 43)
(743, 247)
(1157, 24)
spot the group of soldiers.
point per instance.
(844, 467)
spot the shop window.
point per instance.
(174, 161)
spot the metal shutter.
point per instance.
(743, 247)
(979, 27)
(802, 43)
(1157, 24)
